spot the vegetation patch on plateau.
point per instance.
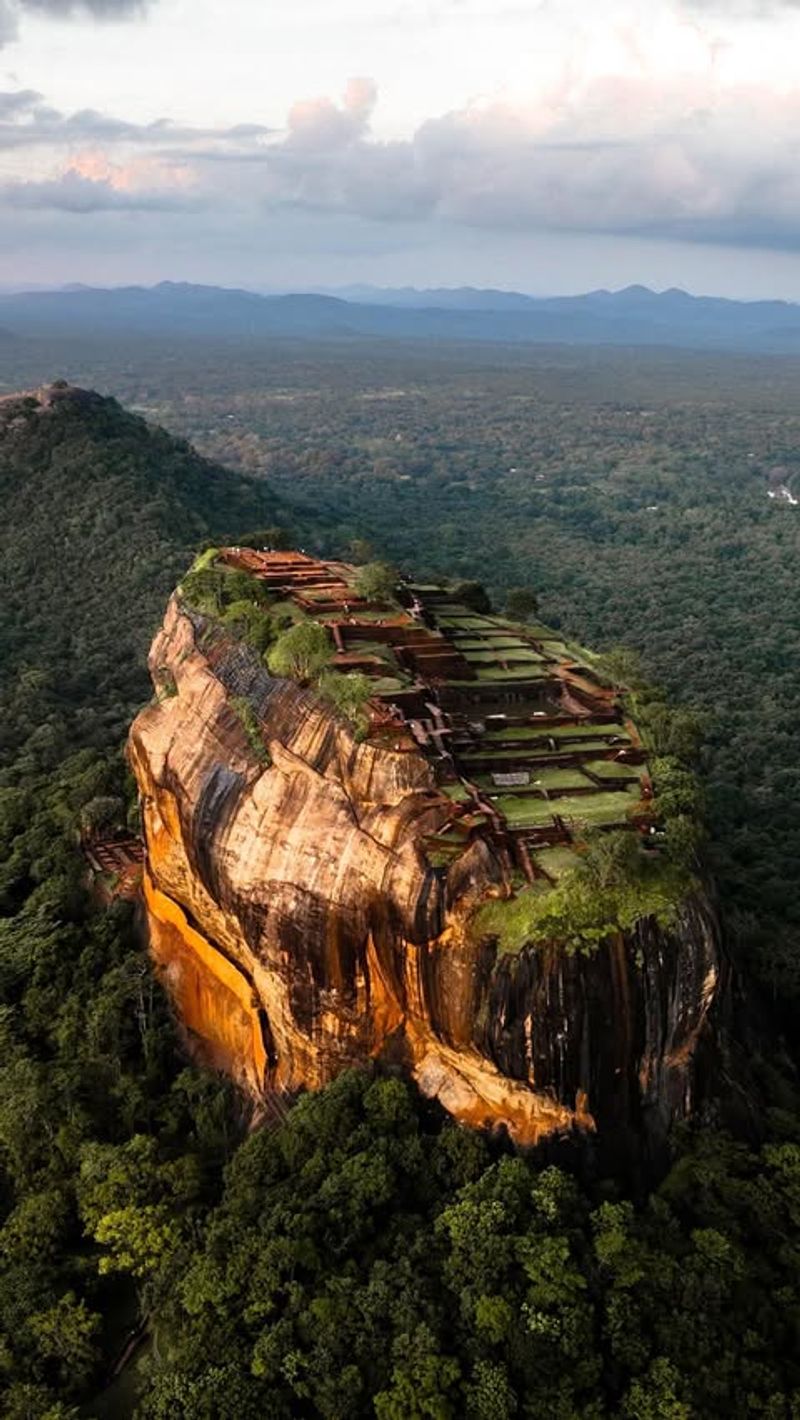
(613, 884)
(291, 641)
(615, 879)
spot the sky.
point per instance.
(549, 146)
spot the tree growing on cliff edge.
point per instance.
(276, 538)
(348, 694)
(474, 595)
(301, 652)
(359, 550)
(522, 602)
(377, 582)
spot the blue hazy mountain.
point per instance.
(633, 316)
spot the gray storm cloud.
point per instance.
(102, 9)
(11, 11)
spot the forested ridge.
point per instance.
(100, 514)
(367, 1257)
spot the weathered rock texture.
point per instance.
(300, 928)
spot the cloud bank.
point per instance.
(102, 9)
(614, 155)
(651, 142)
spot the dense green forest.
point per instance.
(366, 1260)
(368, 1257)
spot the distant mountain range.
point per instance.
(631, 317)
(446, 298)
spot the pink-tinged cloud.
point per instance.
(321, 124)
(93, 183)
(139, 174)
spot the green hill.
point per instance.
(100, 510)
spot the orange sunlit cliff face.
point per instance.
(314, 905)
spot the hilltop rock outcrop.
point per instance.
(301, 925)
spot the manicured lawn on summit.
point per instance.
(591, 810)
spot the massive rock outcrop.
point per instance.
(303, 925)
